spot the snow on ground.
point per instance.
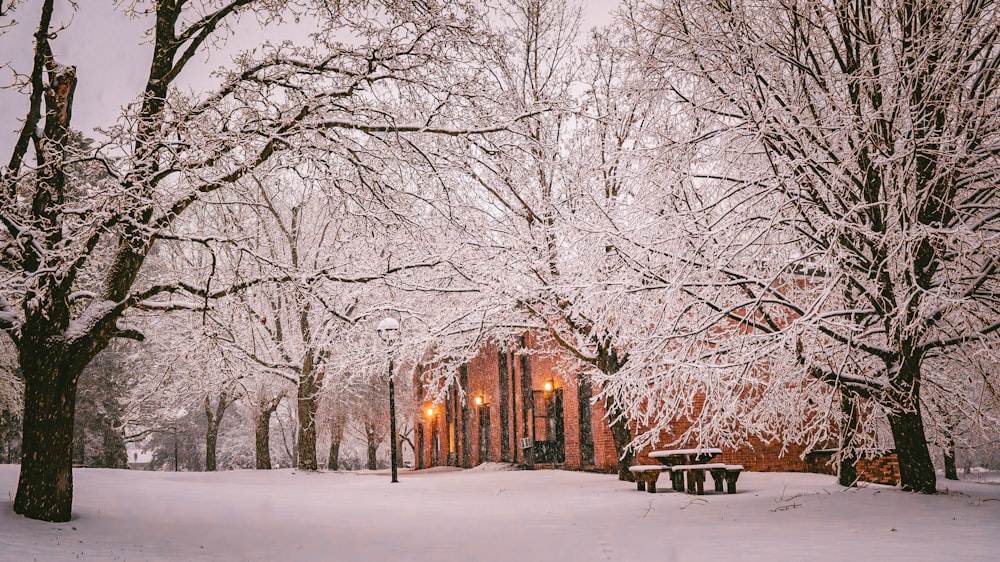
(496, 515)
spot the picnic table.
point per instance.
(679, 457)
(673, 457)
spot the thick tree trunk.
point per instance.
(916, 470)
(609, 363)
(847, 475)
(211, 444)
(308, 405)
(333, 462)
(372, 447)
(45, 485)
(950, 468)
(262, 432)
(113, 453)
(262, 439)
(622, 436)
(212, 432)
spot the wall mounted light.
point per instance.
(430, 412)
(549, 385)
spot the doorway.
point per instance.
(549, 432)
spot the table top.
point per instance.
(685, 452)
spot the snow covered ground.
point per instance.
(481, 514)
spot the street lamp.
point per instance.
(388, 331)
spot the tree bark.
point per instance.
(847, 474)
(622, 436)
(609, 363)
(308, 396)
(262, 433)
(333, 462)
(916, 470)
(371, 434)
(45, 485)
(950, 468)
(212, 431)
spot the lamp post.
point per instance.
(388, 331)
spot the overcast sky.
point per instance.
(107, 49)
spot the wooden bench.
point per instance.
(646, 476)
(730, 475)
(720, 472)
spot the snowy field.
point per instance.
(440, 515)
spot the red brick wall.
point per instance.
(755, 454)
(605, 456)
(484, 380)
(883, 469)
(880, 470)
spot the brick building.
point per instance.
(516, 408)
(518, 405)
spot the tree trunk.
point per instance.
(916, 470)
(45, 485)
(113, 453)
(372, 445)
(622, 436)
(262, 435)
(333, 463)
(308, 405)
(338, 422)
(211, 442)
(950, 468)
(847, 474)
(609, 363)
(212, 431)
(262, 432)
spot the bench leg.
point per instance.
(677, 480)
(731, 477)
(640, 485)
(689, 474)
(699, 480)
(718, 476)
(651, 487)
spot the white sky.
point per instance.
(106, 47)
(485, 515)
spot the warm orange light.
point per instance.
(548, 386)
(430, 412)
(479, 400)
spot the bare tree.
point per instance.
(265, 404)
(841, 213)
(74, 255)
(553, 203)
(213, 418)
